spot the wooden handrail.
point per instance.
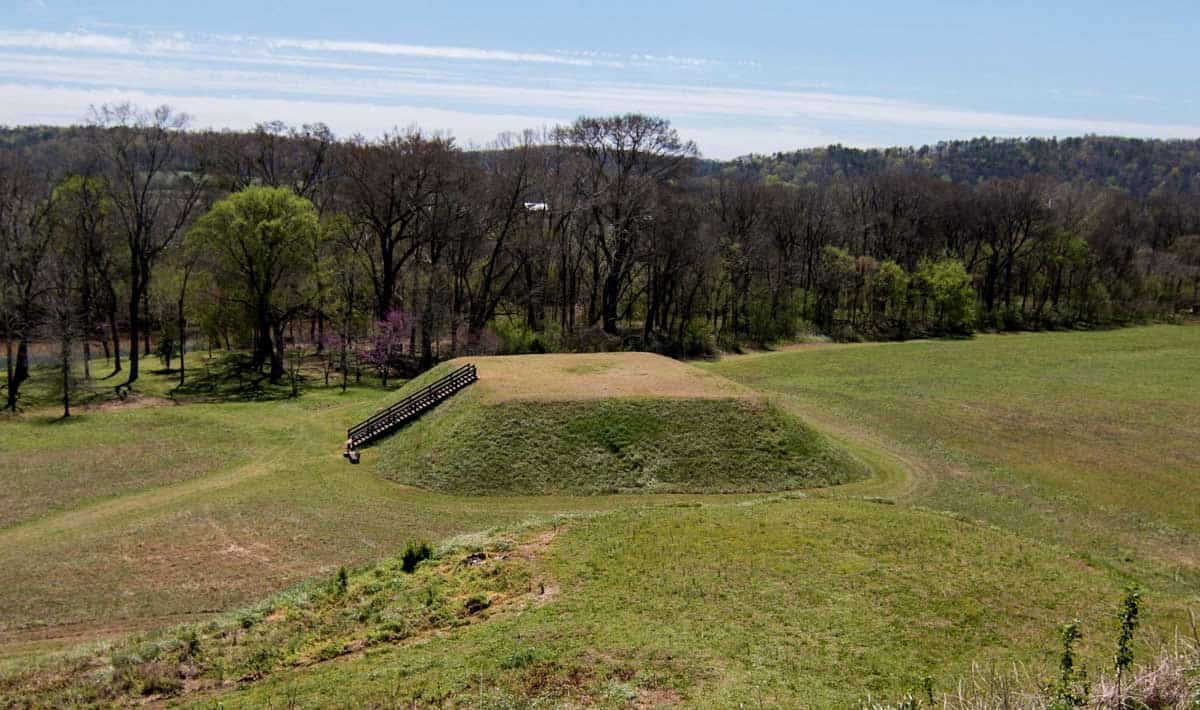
(412, 405)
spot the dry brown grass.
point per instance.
(570, 377)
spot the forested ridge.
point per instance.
(1141, 168)
(132, 234)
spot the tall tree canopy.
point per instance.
(609, 232)
(263, 241)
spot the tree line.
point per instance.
(133, 235)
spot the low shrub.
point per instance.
(698, 340)
(414, 554)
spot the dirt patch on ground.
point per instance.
(204, 553)
(131, 401)
(60, 637)
(656, 698)
(599, 376)
(543, 588)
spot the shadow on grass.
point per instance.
(222, 377)
(231, 376)
(52, 420)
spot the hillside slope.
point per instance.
(1074, 449)
(788, 602)
(608, 423)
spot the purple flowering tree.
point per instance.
(387, 344)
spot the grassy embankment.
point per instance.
(818, 602)
(138, 514)
(632, 422)
(1071, 449)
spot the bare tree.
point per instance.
(737, 201)
(488, 256)
(273, 154)
(64, 272)
(25, 200)
(152, 197)
(388, 190)
(629, 158)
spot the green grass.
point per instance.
(223, 377)
(714, 606)
(126, 519)
(1083, 440)
(471, 446)
(1032, 475)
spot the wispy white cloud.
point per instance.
(66, 105)
(177, 43)
(367, 87)
(414, 50)
(563, 100)
(66, 41)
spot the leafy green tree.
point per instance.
(947, 287)
(265, 241)
(889, 292)
(836, 275)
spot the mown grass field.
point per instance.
(126, 518)
(1027, 479)
(1086, 441)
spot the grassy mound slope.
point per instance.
(813, 603)
(609, 423)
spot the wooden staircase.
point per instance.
(409, 408)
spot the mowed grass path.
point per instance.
(1084, 440)
(121, 519)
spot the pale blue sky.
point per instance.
(735, 76)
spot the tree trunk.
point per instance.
(146, 314)
(652, 302)
(427, 335)
(263, 346)
(609, 298)
(113, 334)
(387, 286)
(277, 354)
(135, 327)
(182, 345)
(86, 308)
(345, 360)
(10, 376)
(182, 325)
(66, 376)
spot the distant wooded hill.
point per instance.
(1140, 167)
(1137, 166)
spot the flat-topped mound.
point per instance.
(607, 423)
(597, 376)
